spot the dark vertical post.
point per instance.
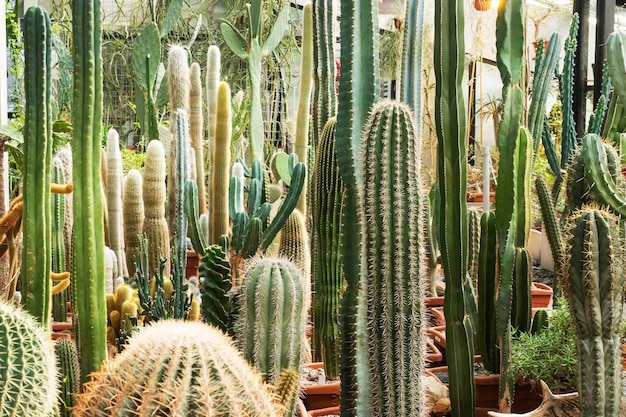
(580, 66)
(606, 24)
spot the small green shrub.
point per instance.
(550, 355)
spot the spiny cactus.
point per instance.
(88, 299)
(154, 194)
(594, 287)
(274, 290)
(69, 374)
(196, 131)
(221, 162)
(393, 256)
(176, 368)
(64, 155)
(36, 215)
(213, 67)
(214, 271)
(59, 301)
(27, 366)
(133, 211)
(294, 244)
(114, 201)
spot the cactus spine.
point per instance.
(274, 290)
(594, 287)
(27, 364)
(59, 301)
(196, 131)
(114, 201)
(393, 255)
(36, 254)
(88, 235)
(358, 90)
(304, 101)
(133, 211)
(221, 162)
(178, 368)
(69, 375)
(154, 225)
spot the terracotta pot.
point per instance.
(479, 197)
(329, 411)
(193, 261)
(300, 409)
(541, 296)
(321, 396)
(433, 354)
(59, 336)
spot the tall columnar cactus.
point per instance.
(325, 103)
(304, 101)
(133, 211)
(451, 124)
(358, 90)
(253, 50)
(27, 365)
(114, 201)
(59, 301)
(294, 243)
(196, 131)
(274, 290)
(327, 268)
(487, 279)
(411, 84)
(65, 156)
(88, 300)
(393, 255)
(36, 223)
(213, 69)
(69, 375)
(178, 87)
(553, 232)
(154, 224)
(220, 175)
(594, 287)
(178, 368)
(473, 248)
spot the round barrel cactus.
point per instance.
(27, 366)
(176, 368)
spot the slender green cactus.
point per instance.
(154, 193)
(327, 268)
(212, 81)
(393, 252)
(294, 243)
(69, 375)
(616, 60)
(178, 88)
(358, 91)
(196, 131)
(411, 83)
(325, 103)
(487, 278)
(553, 231)
(59, 301)
(521, 311)
(594, 287)
(253, 50)
(177, 368)
(452, 166)
(27, 365)
(89, 303)
(473, 248)
(114, 201)
(304, 100)
(274, 290)
(133, 212)
(221, 163)
(36, 215)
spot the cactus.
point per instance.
(393, 257)
(358, 90)
(287, 389)
(110, 269)
(487, 278)
(304, 100)
(253, 50)
(65, 156)
(294, 244)
(114, 201)
(411, 83)
(177, 368)
(59, 301)
(154, 225)
(88, 299)
(273, 289)
(133, 211)
(473, 248)
(69, 375)
(212, 82)
(449, 64)
(220, 165)
(36, 215)
(214, 271)
(27, 364)
(616, 62)
(594, 287)
(553, 232)
(178, 88)
(196, 131)
(324, 104)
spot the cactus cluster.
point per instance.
(69, 375)
(177, 368)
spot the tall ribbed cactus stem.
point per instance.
(196, 131)
(114, 201)
(411, 85)
(59, 301)
(325, 103)
(393, 255)
(36, 223)
(221, 165)
(594, 287)
(452, 165)
(213, 68)
(133, 212)
(89, 301)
